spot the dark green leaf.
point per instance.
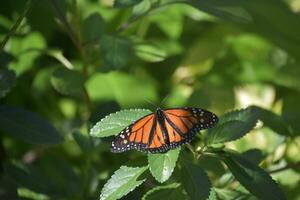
(93, 27)
(172, 191)
(122, 182)
(162, 165)
(116, 122)
(252, 177)
(83, 141)
(7, 78)
(125, 3)
(28, 126)
(255, 156)
(273, 121)
(67, 82)
(195, 181)
(233, 125)
(291, 111)
(115, 51)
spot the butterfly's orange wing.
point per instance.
(163, 130)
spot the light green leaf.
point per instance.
(233, 125)
(115, 85)
(150, 53)
(28, 126)
(29, 194)
(115, 51)
(229, 194)
(162, 165)
(125, 3)
(116, 122)
(7, 78)
(67, 82)
(252, 177)
(26, 49)
(172, 191)
(195, 181)
(122, 182)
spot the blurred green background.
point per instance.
(69, 63)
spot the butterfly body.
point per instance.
(163, 130)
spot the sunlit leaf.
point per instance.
(115, 85)
(68, 82)
(195, 181)
(122, 182)
(172, 191)
(162, 165)
(26, 49)
(150, 53)
(114, 123)
(252, 177)
(233, 125)
(7, 78)
(28, 126)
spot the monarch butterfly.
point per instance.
(163, 130)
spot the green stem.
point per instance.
(14, 28)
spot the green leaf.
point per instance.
(195, 181)
(255, 156)
(67, 82)
(125, 3)
(28, 126)
(116, 122)
(233, 194)
(270, 18)
(233, 125)
(7, 78)
(83, 141)
(150, 53)
(116, 51)
(253, 178)
(122, 182)
(26, 49)
(115, 85)
(29, 194)
(172, 191)
(273, 121)
(93, 27)
(162, 165)
(291, 111)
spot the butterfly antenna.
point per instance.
(164, 99)
(152, 104)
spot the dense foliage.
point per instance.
(73, 73)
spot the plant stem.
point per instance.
(16, 25)
(288, 166)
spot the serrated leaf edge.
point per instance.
(160, 187)
(143, 169)
(92, 130)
